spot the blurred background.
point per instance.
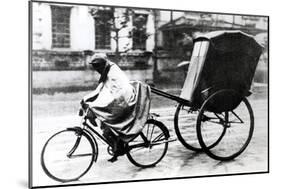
(149, 45)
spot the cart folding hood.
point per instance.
(221, 59)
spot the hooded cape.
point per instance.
(120, 104)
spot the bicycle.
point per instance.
(69, 154)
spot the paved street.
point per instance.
(178, 162)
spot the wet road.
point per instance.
(178, 162)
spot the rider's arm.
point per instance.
(92, 95)
(91, 99)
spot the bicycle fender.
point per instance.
(165, 129)
(79, 130)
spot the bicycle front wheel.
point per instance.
(150, 146)
(68, 155)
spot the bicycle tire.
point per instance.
(160, 130)
(84, 138)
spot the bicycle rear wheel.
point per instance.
(150, 146)
(237, 123)
(68, 155)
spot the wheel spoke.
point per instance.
(237, 117)
(137, 149)
(151, 133)
(158, 137)
(80, 155)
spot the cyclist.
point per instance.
(120, 107)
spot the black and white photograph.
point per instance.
(126, 94)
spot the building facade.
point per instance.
(177, 29)
(147, 44)
(62, 33)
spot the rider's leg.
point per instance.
(109, 135)
(92, 118)
(118, 149)
(111, 138)
(117, 144)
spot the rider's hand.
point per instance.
(84, 105)
(81, 112)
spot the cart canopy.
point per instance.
(221, 59)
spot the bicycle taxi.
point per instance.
(213, 114)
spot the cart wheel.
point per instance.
(236, 121)
(185, 127)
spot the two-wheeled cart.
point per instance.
(213, 114)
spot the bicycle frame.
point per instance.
(86, 127)
(86, 132)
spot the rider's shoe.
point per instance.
(113, 159)
(121, 147)
(119, 150)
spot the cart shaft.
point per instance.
(169, 96)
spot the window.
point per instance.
(172, 39)
(60, 27)
(169, 39)
(103, 24)
(139, 31)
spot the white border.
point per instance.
(14, 96)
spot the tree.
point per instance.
(116, 22)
